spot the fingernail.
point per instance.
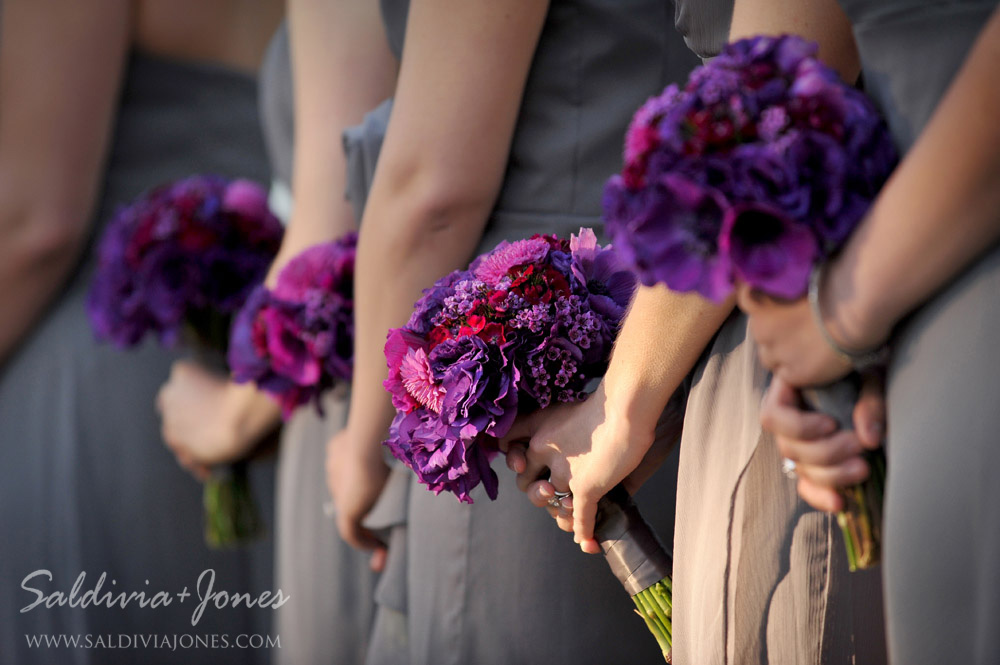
(829, 426)
(546, 491)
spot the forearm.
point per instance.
(937, 214)
(660, 341)
(256, 415)
(404, 249)
(36, 257)
(342, 68)
(60, 68)
(821, 21)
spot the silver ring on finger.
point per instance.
(556, 502)
(788, 468)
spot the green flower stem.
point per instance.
(861, 519)
(231, 516)
(655, 607)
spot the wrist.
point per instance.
(626, 415)
(246, 419)
(853, 317)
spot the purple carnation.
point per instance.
(442, 457)
(479, 384)
(679, 223)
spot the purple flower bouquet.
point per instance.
(178, 262)
(529, 324)
(757, 170)
(297, 340)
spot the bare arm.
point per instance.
(341, 68)
(938, 213)
(441, 167)
(60, 68)
(821, 21)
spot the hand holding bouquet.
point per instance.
(757, 171)
(177, 263)
(529, 324)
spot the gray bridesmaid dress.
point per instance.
(497, 582)
(942, 512)
(329, 614)
(86, 484)
(759, 577)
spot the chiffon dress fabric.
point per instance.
(86, 483)
(497, 582)
(759, 576)
(330, 586)
(942, 505)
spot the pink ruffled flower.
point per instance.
(418, 379)
(495, 266)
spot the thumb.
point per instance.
(377, 562)
(523, 428)
(584, 514)
(356, 535)
(870, 412)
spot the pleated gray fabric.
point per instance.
(759, 577)
(942, 508)
(329, 584)
(277, 104)
(86, 484)
(705, 25)
(497, 582)
(389, 640)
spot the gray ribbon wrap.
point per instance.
(631, 549)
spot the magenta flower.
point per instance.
(418, 379)
(297, 341)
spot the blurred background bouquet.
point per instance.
(178, 263)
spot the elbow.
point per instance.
(37, 241)
(430, 207)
